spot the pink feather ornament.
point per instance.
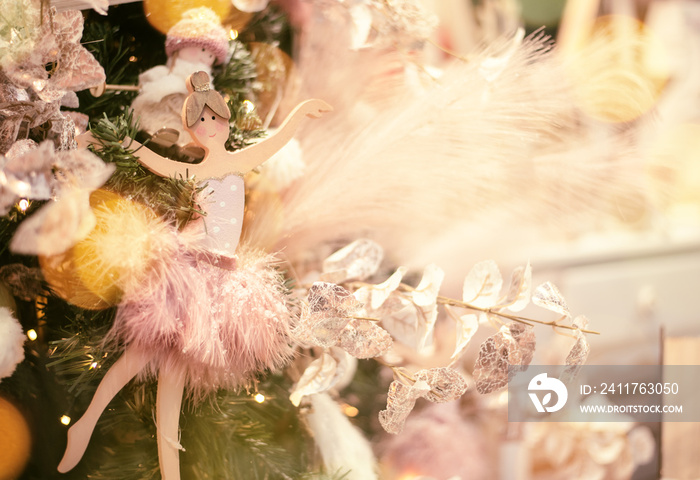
(221, 326)
(205, 315)
(434, 168)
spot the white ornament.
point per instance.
(341, 445)
(284, 166)
(11, 343)
(250, 5)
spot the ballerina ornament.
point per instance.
(206, 316)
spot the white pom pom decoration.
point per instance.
(284, 166)
(341, 445)
(250, 6)
(11, 343)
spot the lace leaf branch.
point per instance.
(328, 320)
(441, 299)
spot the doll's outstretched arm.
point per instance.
(250, 157)
(148, 158)
(85, 139)
(155, 163)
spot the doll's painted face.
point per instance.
(210, 129)
(197, 55)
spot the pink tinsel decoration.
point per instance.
(220, 326)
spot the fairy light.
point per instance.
(233, 34)
(31, 334)
(23, 204)
(259, 397)
(93, 365)
(350, 411)
(248, 105)
(133, 59)
(65, 420)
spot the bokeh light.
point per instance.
(276, 75)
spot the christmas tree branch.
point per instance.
(171, 197)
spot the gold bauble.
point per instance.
(163, 14)
(15, 441)
(276, 77)
(94, 272)
(60, 273)
(118, 248)
(236, 20)
(264, 213)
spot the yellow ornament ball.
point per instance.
(264, 213)
(117, 251)
(236, 20)
(276, 81)
(60, 273)
(114, 256)
(15, 441)
(163, 14)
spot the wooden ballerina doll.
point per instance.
(197, 321)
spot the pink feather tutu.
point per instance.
(218, 320)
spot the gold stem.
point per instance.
(367, 319)
(527, 321)
(127, 88)
(447, 51)
(398, 371)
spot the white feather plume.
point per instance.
(343, 448)
(495, 141)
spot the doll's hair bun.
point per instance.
(199, 27)
(202, 96)
(200, 82)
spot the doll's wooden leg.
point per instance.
(123, 370)
(171, 385)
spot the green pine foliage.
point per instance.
(172, 198)
(237, 76)
(117, 42)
